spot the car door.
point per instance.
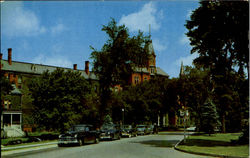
(87, 135)
(92, 134)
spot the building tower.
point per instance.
(181, 70)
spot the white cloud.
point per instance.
(188, 60)
(57, 29)
(19, 22)
(189, 13)
(140, 20)
(53, 60)
(184, 40)
(159, 46)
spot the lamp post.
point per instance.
(122, 117)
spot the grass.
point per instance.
(5, 141)
(24, 139)
(219, 144)
(32, 143)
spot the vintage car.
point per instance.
(128, 131)
(141, 129)
(110, 131)
(150, 129)
(79, 134)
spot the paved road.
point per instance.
(150, 146)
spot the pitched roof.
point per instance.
(159, 71)
(38, 69)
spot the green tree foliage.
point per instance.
(193, 88)
(6, 86)
(27, 101)
(209, 117)
(218, 31)
(61, 99)
(144, 102)
(114, 63)
(107, 120)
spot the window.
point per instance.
(152, 70)
(6, 119)
(16, 118)
(136, 79)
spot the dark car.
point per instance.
(110, 131)
(79, 134)
(128, 131)
(141, 129)
(150, 129)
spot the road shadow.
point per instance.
(175, 133)
(159, 143)
(205, 143)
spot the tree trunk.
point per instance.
(223, 123)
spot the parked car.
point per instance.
(110, 131)
(79, 134)
(150, 129)
(128, 131)
(141, 129)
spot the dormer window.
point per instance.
(33, 67)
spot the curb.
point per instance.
(26, 146)
(204, 154)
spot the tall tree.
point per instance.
(6, 86)
(114, 63)
(209, 117)
(61, 99)
(218, 31)
(193, 90)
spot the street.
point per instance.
(150, 146)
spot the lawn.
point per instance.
(41, 135)
(219, 144)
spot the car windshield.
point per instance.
(127, 127)
(79, 128)
(107, 127)
(140, 129)
(141, 126)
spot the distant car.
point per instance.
(79, 135)
(141, 129)
(128, 131)
(192, 129)
(150, 129)
(110, 131)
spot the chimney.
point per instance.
(9, 55)
(75, 66)
(1, 56)
(87, 67)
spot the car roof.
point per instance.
(83, 125)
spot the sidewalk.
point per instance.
(26, 148)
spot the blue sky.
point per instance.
(60, 33)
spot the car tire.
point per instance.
(59, 145)
(80, 142)
(97, 140)
(112, 137)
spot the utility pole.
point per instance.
(122, 117)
